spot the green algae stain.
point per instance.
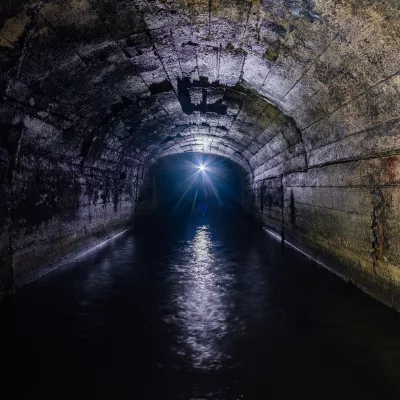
(271, 55)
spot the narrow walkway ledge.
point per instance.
(380, 288)
(84, 248)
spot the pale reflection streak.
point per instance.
(204, 307)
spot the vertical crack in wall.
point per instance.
(378, 226)
(283, 211)
(14, 156)
(12, 142)
(262, 197)
(292, 209)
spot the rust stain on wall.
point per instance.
(392, 168)
(379, 242)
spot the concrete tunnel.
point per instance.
(303, 95)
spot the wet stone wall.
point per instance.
(52, 206)
(343, 210)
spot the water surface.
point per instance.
(207, 307)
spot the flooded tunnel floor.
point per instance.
(205, 307)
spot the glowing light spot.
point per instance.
(202, 168)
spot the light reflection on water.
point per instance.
(201, 301)
(205, 309)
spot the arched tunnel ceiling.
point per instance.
(131, 81)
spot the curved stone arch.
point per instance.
(305, 94)
(181, 146)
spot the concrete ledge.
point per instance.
(30, 267)
(380, 283)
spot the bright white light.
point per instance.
(202, 167)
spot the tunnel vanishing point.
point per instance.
(303, 95)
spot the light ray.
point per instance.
(189, 177)
(213, 188)
(180, 200)
(194, 202)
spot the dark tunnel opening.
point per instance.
(193, 184)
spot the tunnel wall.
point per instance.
(290, 90)
(52, 205)
(341, 204)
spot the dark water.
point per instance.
(207, 308)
